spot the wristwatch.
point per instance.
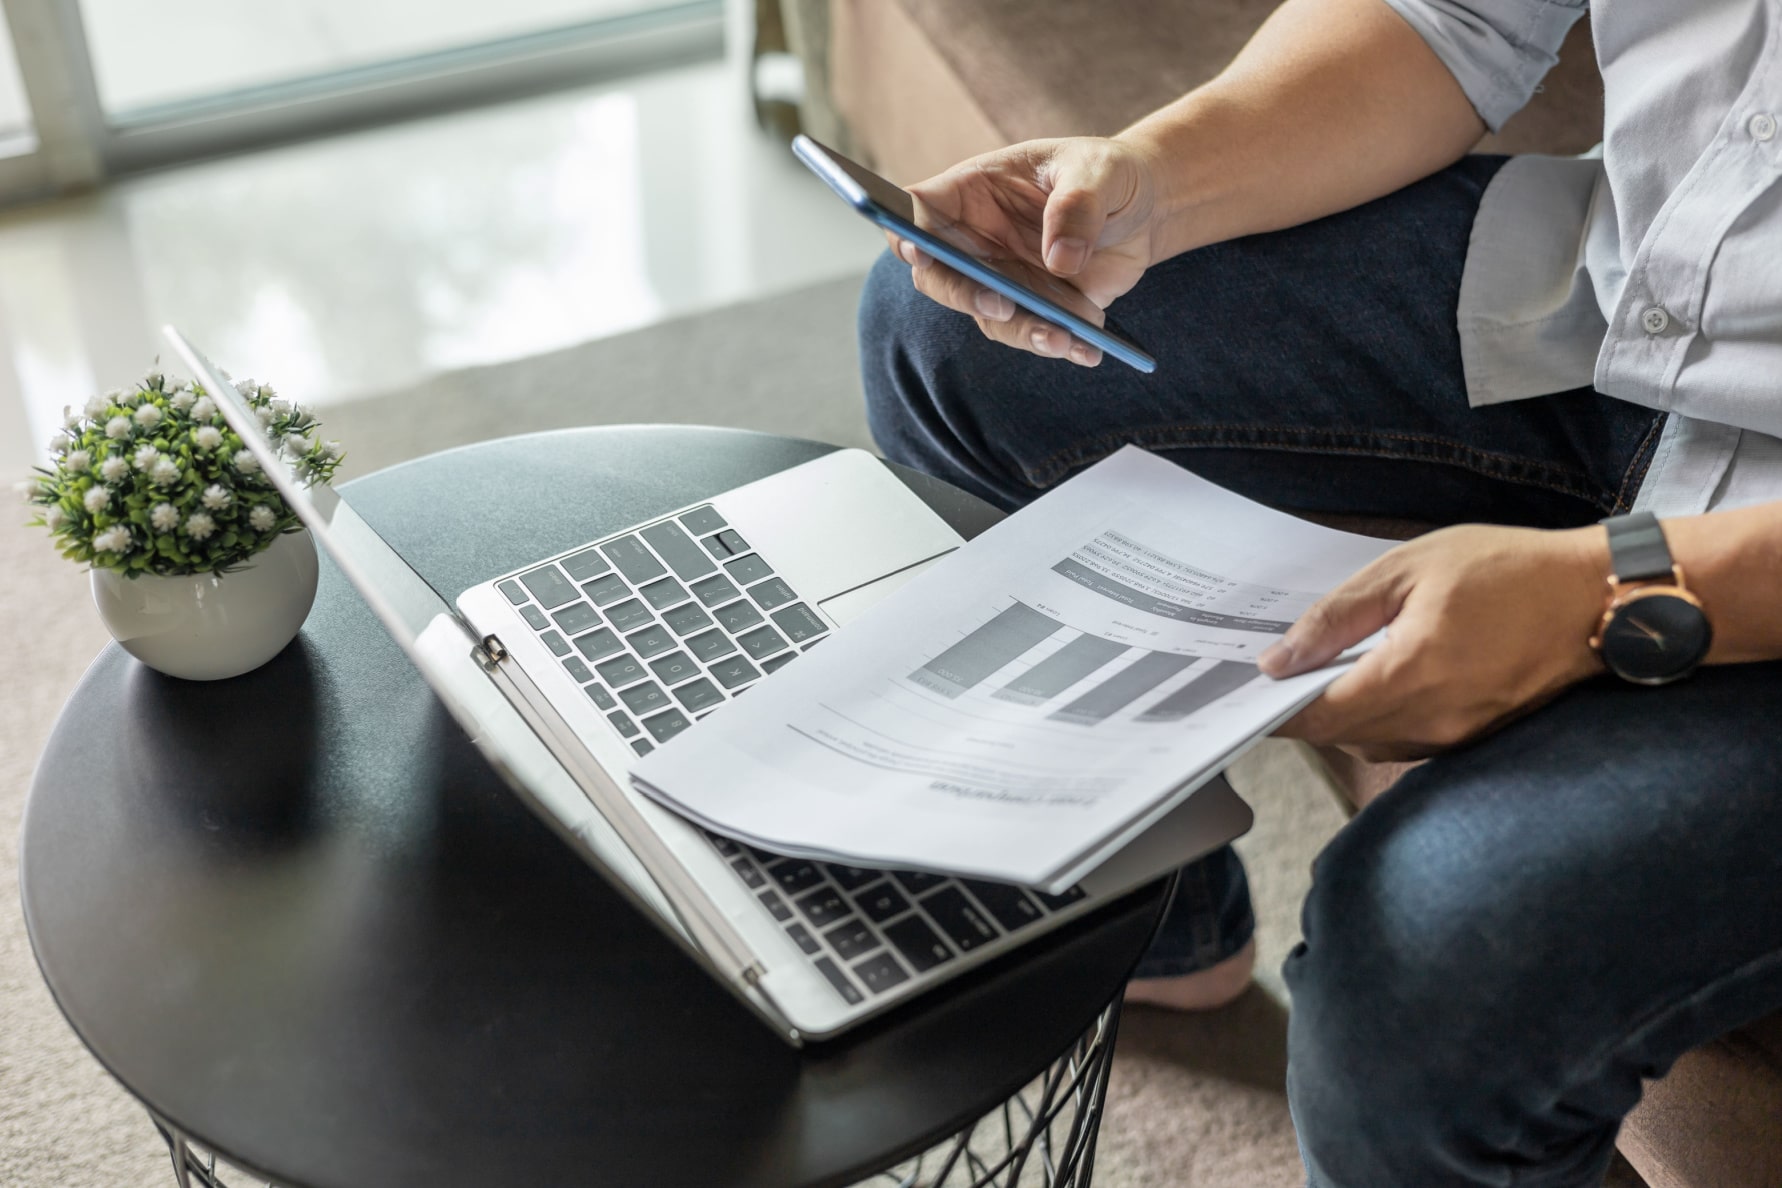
(1654, 630)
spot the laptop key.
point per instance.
(577, 669)
(585, 565)
(763, 641)
(802, 937)
(621, 671)
(920, 945)
(799, 622)
(628, 614)
(698, 695)
(714, 544)
(849, 992)
(851, 939)
(621, 723)
(849, 878)
(534, 617)
(723, 845)
(882, 902)
(600, 697)
(514, 593)
(632, 559)
(651, 641)
(734, 671)
(665, 726)
(749, 570)
(576, 618)
(964, 925)
(666, 592)
(771, 593)
(710, 645)
(606, 590)
(1011, 908)
(796, 874)
(824, 907)
(642, 746)
(674, 546)
(555, 642)
(644, 698)
(747, 871)
(714, 591)
(674, 667)
(702, 520)
(597, 645)
(879, 974)
(549, 586)
(775, 905)
(687, 619)
(733, 541)
(738, 616)
(915, 882)
(775, 663)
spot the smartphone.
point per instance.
(893, 209)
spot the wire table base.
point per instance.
(1042, 1137)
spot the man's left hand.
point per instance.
(1483, 625)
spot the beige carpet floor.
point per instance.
(1196, 1102)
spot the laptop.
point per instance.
(565, 671)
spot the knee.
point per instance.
(895, 368)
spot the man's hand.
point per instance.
(1080, 209)
(1483, 625)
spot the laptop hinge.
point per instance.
(491, 652)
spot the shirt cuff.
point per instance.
(1497, 50)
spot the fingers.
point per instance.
(1338, 621)
(998, 317)
(1083, 178)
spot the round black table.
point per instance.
(299, 917)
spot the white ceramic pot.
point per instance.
(210, 626)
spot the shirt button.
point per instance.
(1655, 320)
(1762, 126)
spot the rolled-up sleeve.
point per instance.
(1498, 50)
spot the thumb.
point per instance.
(1335, 623)
(1076, 208)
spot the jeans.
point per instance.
(1499, 948)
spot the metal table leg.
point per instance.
(191, 1168)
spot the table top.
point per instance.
(299, 917)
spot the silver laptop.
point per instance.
(566, 670)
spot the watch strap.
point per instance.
(1637, 550)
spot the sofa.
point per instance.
(912, 86)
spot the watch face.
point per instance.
(1655, 638)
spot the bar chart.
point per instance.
(1018, 632)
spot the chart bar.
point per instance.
(1201, 692)
(995, 643)
(1059, 671)
(1123, 688)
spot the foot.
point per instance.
(1202, 990)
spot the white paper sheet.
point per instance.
(1033, 701)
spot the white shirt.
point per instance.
(1652, 269)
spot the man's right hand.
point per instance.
(1080, 210)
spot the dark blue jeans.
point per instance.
(1498, 949)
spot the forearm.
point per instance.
(1732, 561)
(1331, 104)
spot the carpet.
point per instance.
(1195, 1101)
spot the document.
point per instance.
(1035, 700)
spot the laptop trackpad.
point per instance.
(846, 607)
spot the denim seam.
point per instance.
(1498, 466)
(1635, 475)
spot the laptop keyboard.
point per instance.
(663, 625)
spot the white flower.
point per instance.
(98, 406)
(96, 500)
(262, 518)
(183, 399)
(268, 392)
(70, 418)
(164, 517)
(297, 444)
(153, 380)
(77, 461)
(208, 437)
(60, 442)
(199, 525)
(165, 473)
(330, 450)
(204, 408)
(129, 397)
(265, 415)
(280, 405)
(113, 469)
(148, 416)
(145, 457)
(216, 498)
(54, 517)
(115, 539)
(245, 461)
(117, 427)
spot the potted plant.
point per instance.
(199, 568)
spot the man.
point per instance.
(1352, 316)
